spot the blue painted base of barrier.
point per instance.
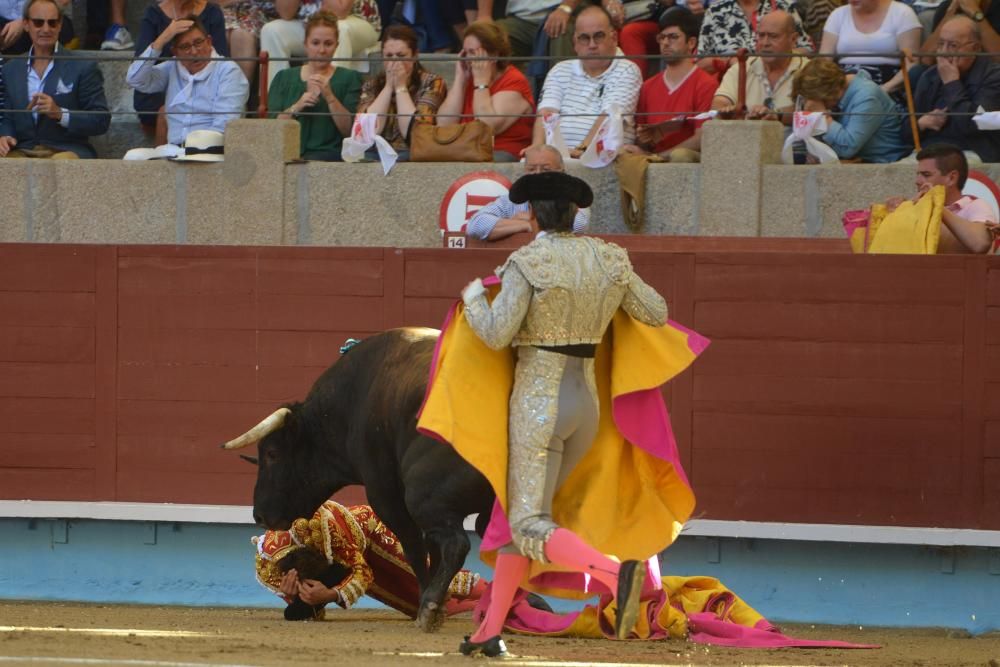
(807, 582)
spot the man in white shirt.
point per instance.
(966, 220)
(201, 94)
(583, 91)
(525, 18)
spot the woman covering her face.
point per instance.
(404, 93)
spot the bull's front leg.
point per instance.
(448, 546)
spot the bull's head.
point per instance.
(294, 474)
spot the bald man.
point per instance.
(958, 85)
(502, 218)
(769, 76)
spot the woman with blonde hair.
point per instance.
(321, 96)
(866, 124)
(490, 89)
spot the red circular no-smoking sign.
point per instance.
(467, 195)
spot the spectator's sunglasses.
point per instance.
(38, 23)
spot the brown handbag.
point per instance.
(465, 142)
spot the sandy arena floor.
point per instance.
(66, 634)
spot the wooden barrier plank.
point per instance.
(296, 312)
(46, 450)
(991, 441)
(189, 486)
(991, 503)
(993, 324)
(213, 347)
(427, 312)
(991, 367)
(334, 276)
(197, 383)
(46, 380)
(993, 285)
(215, 422)
(47, 484)
(159, 276)
(991, 400)
(812, 358)
(811, 395)
(106, 265)
(46, 268)
(187, 311)
(47, 344)
(778, 435)
(829, 322)
(53, 309)
(150, 455)
(434, 278)
(67, 416)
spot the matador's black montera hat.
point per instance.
(552, 185)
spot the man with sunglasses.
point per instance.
(948, 93)
(583, 91)
(201, 93)
(51, 105)
(14, 37)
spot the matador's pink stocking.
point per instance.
(507, 576)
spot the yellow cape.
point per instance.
(620, 499)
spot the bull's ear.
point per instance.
(249, 459)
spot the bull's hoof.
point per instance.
(430, 618)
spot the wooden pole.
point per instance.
(904, 59)
(264, 59)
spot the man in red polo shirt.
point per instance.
(669, 100)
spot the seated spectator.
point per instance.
(986, 14)
(769, 77)
(637, 37)
(51, 106)
(683, 89)
(490, 89)
(872, 26)
(404, 92)
(814, 14)
(583, 91)
(200, 94)
(358, 26)
(959, 85)
(866, 124)
(244, 21)
(966, 220)
(14, 38)
(154, 21)
(326, 94)
(502, 218)
(729, 25)
(537, 27)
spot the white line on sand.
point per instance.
(17, 659)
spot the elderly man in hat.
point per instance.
(201, 93)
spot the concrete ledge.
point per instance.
(262, 195)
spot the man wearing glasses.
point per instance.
(51, 105)
(201, 93)
(582, 91)
(951, 91)
(670, 99)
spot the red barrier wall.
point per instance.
(842, 389)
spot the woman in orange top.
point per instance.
(490, 89)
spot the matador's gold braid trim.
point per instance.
(391, 557)
(463, 583)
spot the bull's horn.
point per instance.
(261, 430)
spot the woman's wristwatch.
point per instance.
(402, 89)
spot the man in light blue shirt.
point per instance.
(502, 218)
(201, 94)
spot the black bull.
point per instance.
(358, 426)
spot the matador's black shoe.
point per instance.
(630, 578)
(491, 648)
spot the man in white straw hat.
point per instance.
(202, 93)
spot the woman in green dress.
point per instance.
(319, 95)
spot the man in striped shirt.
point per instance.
(502, 217)
(582, 91)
